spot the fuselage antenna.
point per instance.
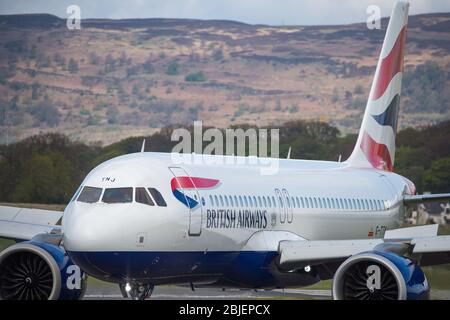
(143, 145)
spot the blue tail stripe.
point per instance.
(390, 115)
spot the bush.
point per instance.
(195, 77)
(173, 69)
(72, 66)
(148, 67)
(44, 112)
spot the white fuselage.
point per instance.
(243, 211)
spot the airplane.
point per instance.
(140, 220)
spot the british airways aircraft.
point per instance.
(141, 220)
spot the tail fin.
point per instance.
(375, 147)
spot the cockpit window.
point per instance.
(118, 195)
(90, 195)
(158, 197)
(142, 196)
(76, 194)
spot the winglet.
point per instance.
(143, 145)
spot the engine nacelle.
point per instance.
(379, 276)
(35, 270)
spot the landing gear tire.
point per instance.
(136, 291)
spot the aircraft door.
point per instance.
(281, 206)
(192, 198)
(289, 206)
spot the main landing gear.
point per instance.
(136, 291)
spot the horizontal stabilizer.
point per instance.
(423, 198)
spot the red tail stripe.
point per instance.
(192, 182)
(391, 65)
(377, 154)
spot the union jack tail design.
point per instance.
(375, 147)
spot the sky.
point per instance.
(271, 12)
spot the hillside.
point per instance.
(54, 165)
(117, 78)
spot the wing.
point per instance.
(438, 197)
(24, 224)
(420, 243)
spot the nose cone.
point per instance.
(83, 228)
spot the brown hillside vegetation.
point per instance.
(118, 78)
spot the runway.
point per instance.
(105, 291)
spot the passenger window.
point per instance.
(250, 201)
(269, 202)
(90, 195)
(350, 204)
(254, 201)
(141, 196)
(240, 201)
(221, 201)
(246, 201)
(315, 203)
(226, 201)
(216, 200)
(236, 201)
(303, 202)
(329, 203)
(265, 202)
(260, 202)
(320, 202)
(231, 201)
(157, 196)
(211, 200)
(118, 195)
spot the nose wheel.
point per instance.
(136, 291)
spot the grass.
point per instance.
(53, 207)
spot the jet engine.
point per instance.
(379, 276)
(36, 270)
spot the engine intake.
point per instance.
(379, 276)
(39, 271)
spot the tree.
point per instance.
(34, 91)
(45, 179)
(72, 66)
(172, 69)
(148, 66)
(218, 54)
(45, 112)
(437, 177)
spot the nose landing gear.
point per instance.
(136, 291)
